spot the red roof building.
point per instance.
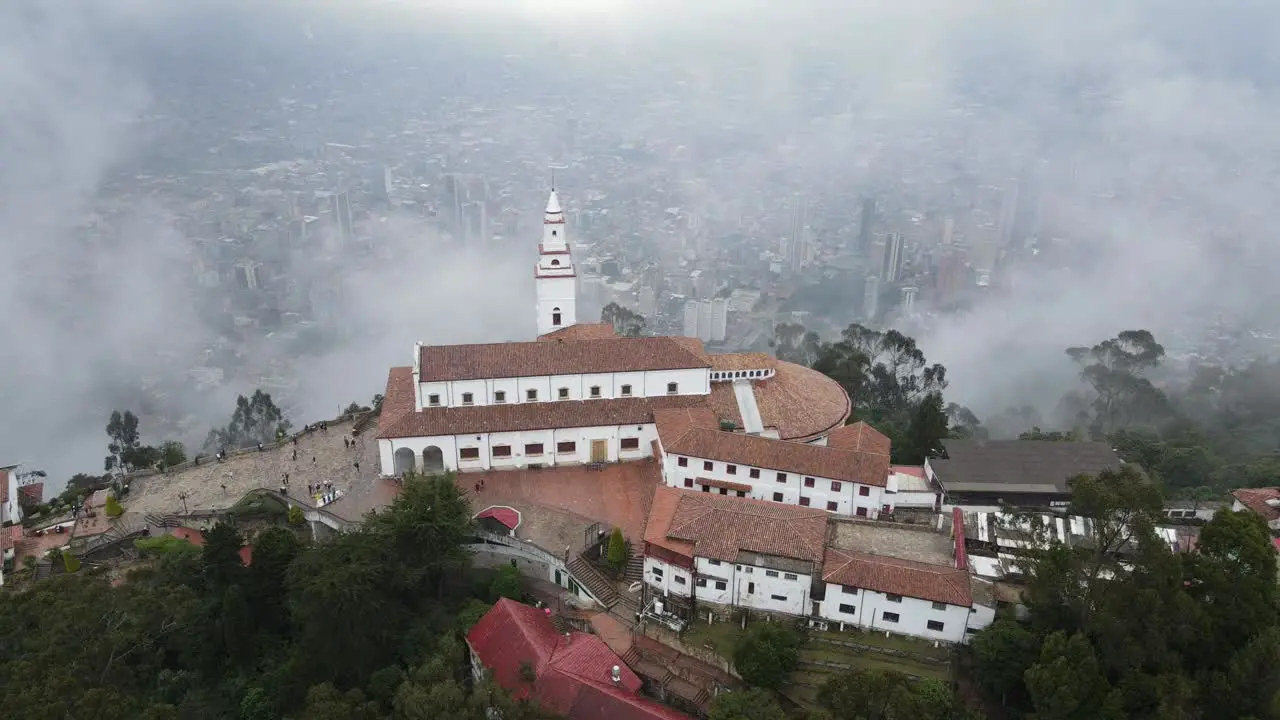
(570, 674)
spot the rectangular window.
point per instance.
(629, 444)
(782, 477)
(935, 626)
(809, 482)
(862, 512)
(746, 569)
(889, 617)
(864, 491)
(848, 609)
(835, 486)
(499, 396)
(626, 391)
(779, 598)
(533, 449)
(567, 446)
(939, 606)
(777, 497)
(595, 391)
(715, 563)
(893, 598)
(672, 388)
(657, 571)
(682, 462)
(531, 395)
(468, 398)
(700, 582)
(708, 465)
(832, 506)
(679, 579)
(788, 576)
(563, 393)
(731, 469)
(771, 573)
(433, 400)
(688, 482)
(469, 453)
(724, 491)
(742, 493)
(502, 451)
(848, 590)
(706, 488)
(804, 501)
(754, 474)
(720, 585)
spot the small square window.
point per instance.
(469, 453)
(771, 573)
(779, 598)
(893, 598)
(731, 469)
(862, 512)
(563, 393)
(433, 400)
(864, 491)
(531, 395)
(499, 396)
(720, 585)
(657, 571)
(679, 579)
(595, 391)
(567, 446)
(809, 482)
(629, 443)
(700, 582)
(754, 474)
(708, 465)
(682, 462)
(715, 563)
(724, 491)
(939, 606)
(688, 482)
(804, 501)
(835, 486)
(889, 617)
(706, 488)
(832, 506)
(848, 590)
(502, 451)
(789, 576)
(626, 391)
(533, 449)
(848, 609)
(777, 497)
(672, 388)
(742, 493)
(468, 398)
(935, 626)
(782, 477)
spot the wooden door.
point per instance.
(599, 451)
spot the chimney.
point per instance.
(616, 675)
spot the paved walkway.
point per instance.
(321, 456)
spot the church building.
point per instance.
(738, 425)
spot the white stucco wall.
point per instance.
(745, 585)
(651, 383)
(452, 445)
(848, 499)
(914, 614)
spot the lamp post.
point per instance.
(183, 497)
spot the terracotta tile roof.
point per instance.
(692, 344)
(1256, 500)
(581, 331)
(936, 583)
(799, 403)
(743, 361)
(397, 399)
(514, 417)
(32, 494)
(859, 436)
(685, 432)
(525, 359)
(912, 470)
(661, 511)
(719, 527)
(727, 485)
(571, 672)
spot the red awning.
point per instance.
(505, 515)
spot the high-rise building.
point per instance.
(475, 224)
(648, 301)
(891, 267)
(866, 226)
(691, 318)
(948, 230)
(1008, 212)
(871, 299)
(719, 320)
(340, 206)
(798, 246)
(248, 274)
(909, 299)
(707, 320)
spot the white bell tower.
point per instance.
(554, 276)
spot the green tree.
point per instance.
(506, 584)
(172, 453)
(112, 508)
(1002, 654)
(617, 554)
(1067, 684)
(122, 429)
(296, 517)
(766, 654)
(1114, 369)
(220, 556)
(925, 432)
(749, 704)
(625, 322)
(256, 419)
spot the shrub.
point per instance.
(506, 584)
(296, 518)
(70, 562)
(766, 654)
(113, 507)
(617, 556)
(165, 545)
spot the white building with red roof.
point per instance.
(574, 674)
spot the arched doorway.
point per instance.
(432, 460)
(403, 461)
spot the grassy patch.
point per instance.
(719, 637)
(901, 643)
(869, 661)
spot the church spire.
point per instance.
(554, 214)
(556, 279)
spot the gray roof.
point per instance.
(1019, 466)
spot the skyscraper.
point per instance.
(340, 206)
(1008, 212)
(891, 268)
(866, 226)
(798, 247)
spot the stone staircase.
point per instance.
(590, 578)
(44, 569)
(160, 522)
(635, 567)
